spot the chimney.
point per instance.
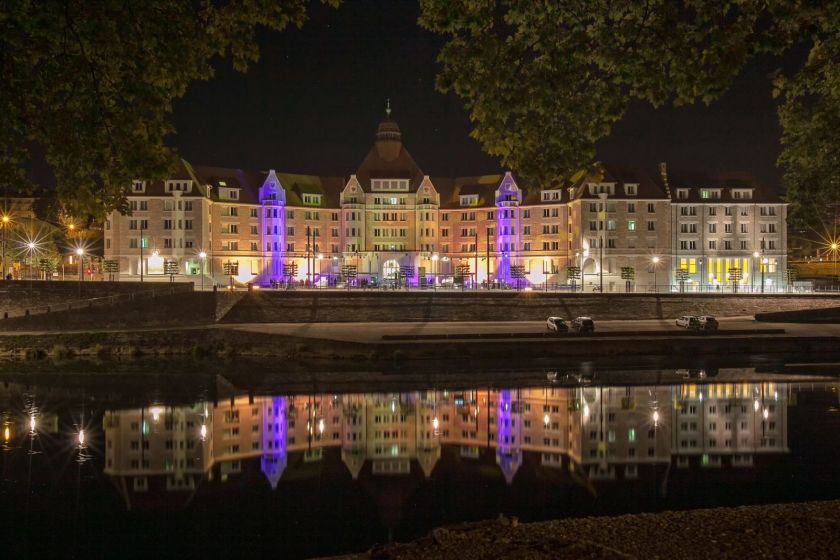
(663, 172)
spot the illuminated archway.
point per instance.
(390, 269)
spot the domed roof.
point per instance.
(388, 130)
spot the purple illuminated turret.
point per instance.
(274, 459)
(272, 228)
(508, 451)
(508, 200)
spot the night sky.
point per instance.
(312, 103)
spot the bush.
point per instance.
(61, 352)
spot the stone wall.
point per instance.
(18, 295)
(140, 311)
(298, 307)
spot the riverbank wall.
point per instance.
(286, 350)
(266, 306)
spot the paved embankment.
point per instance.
(807, 530)
(268, 306)
(295, 348)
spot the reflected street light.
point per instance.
(5, 221)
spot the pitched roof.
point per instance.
(388, 159)
(726, 180)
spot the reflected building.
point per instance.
(728, 424)
(601, 433)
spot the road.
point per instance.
(373, 332)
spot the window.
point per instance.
(255, 212)
(630, 190)
(712, 228)
(651, 207)
(651, 225)
(312, 199)
(631, 225)
(631, 207)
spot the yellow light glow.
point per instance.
(586, 411)
(7, 434)
(81, 437)
(156, 412)
(321, 426)
(203, 432)
(655, 416)
(32, 423)
(765, 413)
(5, 219)
(546, 419)
(435, 423)
(71, 226)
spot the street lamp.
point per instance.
(434, 270)
(80, 252)
(834, 247)
(5, 221)
(764, 262)
(752, 279)
(655, 261)
(203, 256)
(320, 268)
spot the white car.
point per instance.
(556, 324)
(688, 322)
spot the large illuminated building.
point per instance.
(389, 221)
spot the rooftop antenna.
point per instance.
(388, 106)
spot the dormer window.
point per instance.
(138, 186)
(548, 196)
(631, 190)
(227, 193)
(178, 186)
(312, 200)
(682, 194)
(389, 184)
(601, 189)
(469, 200)
(710, 194)
(741, 194)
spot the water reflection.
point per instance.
(557, 450)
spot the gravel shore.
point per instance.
(805, 530)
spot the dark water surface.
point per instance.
(93, 467)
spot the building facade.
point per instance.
(611, 229)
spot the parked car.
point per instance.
(708, 323)
(583, 324)
(691, 322)
(556, 324)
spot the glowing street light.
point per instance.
(655, 261)
(82, 437)
(203, 256)
(5, 221)
(765, 413)
(655, 417)
(203, 432)
(585, 411)
(32, 423)
(546, 420)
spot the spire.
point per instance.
(388, 107)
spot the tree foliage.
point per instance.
(91, 83)
(545, 80)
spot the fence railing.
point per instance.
(85, 303)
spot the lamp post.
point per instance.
(764, 262)
(655, 261)
(752, 278)
(203, 256)
(434, 271)
(320, 268)
(834, 248)
(80, 253)
(5, 223)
